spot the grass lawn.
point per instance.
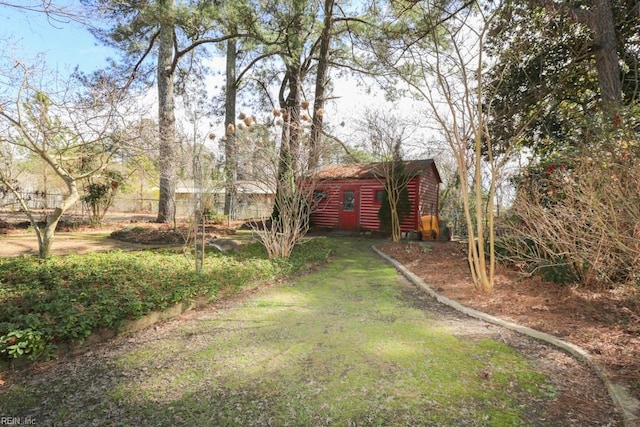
(343, 345)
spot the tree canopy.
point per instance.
(545, 84)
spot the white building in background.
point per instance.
(250, 199)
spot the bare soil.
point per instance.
(121, 231)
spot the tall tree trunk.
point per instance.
(230, 149)
(293, 112)
(606, 54)
(292, 86)
(290, 139)
(321, 83)
(599, 19)
(485, 282)
(166, 118)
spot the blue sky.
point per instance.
(64, 45)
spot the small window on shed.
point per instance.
(378, 196)
(319, 195)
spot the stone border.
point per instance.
(628, 406)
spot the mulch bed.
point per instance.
(604, 322)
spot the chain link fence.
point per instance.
(244, 207)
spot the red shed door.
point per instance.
(349, 207)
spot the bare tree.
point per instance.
(76, 135)
(388, 134)
(294, 199)
(456, 99)
(61, 11)
(447, 76)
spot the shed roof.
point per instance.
(373, 170)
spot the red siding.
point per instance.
(327, 212)
(423, 193)
(370, 210)
(429, 193)
(368, 206)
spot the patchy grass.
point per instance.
(339, 346)
(44, 303)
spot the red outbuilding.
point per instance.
(348, 197)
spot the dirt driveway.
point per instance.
(82, 238)
(17, 244)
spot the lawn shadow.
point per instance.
(346, 345)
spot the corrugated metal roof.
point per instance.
(372, 170)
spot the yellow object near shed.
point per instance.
(428, 227)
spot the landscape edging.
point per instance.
(628, 406)
(128, 327)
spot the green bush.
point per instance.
(384, 213)
(64, 299)
(22, 342)
(215, 217)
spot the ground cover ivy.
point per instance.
(44, 303)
